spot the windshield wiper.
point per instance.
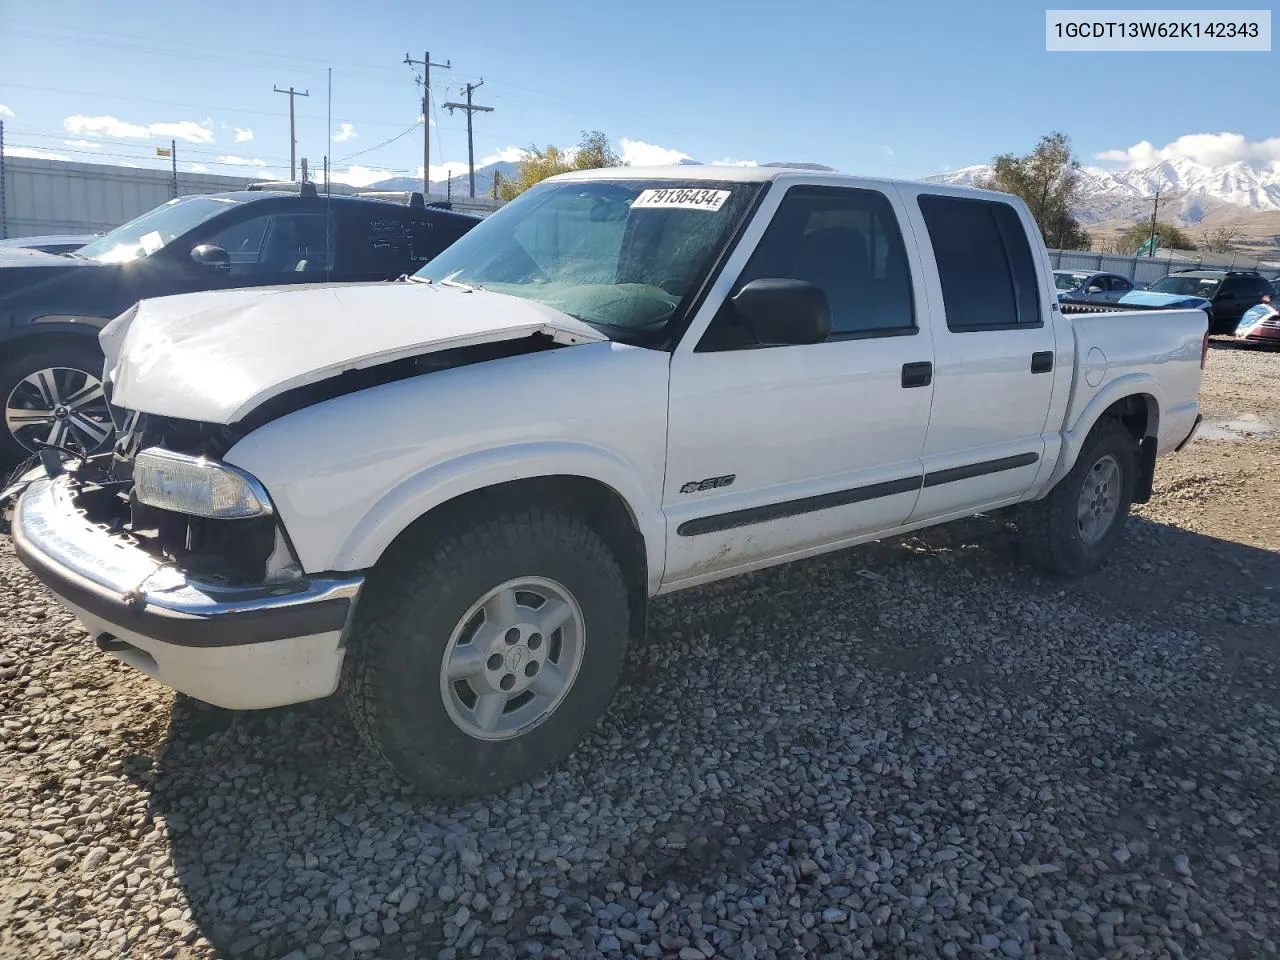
(449, 282)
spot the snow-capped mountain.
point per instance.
(1192, 189)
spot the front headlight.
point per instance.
(193, 485)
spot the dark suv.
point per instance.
(1231, 292)
(52, 306)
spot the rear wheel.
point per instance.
(482, 655)
(52, 395)
(1074, 529)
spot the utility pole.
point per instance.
(173, 154)
(426, 65)
(1151, 242)
(4, 212)
(471, 150)
(293, 135)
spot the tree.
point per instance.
(1048, 180)
(592, 153)
(1171, 238)
(1220, 239)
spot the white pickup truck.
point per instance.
(453, 495)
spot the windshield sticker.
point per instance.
(151, 242)
(668, 198)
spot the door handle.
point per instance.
(917, 374)
(1042, 361)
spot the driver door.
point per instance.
(779, 451)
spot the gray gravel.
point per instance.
(963, 759)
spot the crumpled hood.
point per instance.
(215, 357)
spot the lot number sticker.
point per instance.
(671, 198)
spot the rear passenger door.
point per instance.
(778, 450)
(994, 354)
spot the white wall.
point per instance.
(54, 196)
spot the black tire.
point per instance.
(1050, 527)
(29, 357)
(411, 604)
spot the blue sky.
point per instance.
(890, 89)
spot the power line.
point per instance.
(377, 146)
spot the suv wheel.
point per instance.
(53, 395)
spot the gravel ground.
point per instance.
(919, 748)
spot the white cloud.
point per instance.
(505, 155)
(33, 153)
(243, 134)
(1205, 148)
(735, 163)
(640, 154)
(887, 150)
(106, 126)
(233, 161)
(5, 111)
(440, 172)
(187, 130)
(83, 144)
(196, 168)
(355, 175)
(344, 133)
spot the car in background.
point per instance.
(49, 244)
(52, 307)
(1260, 325)
(1091, 286)
(1231, 292)
(1165, 301)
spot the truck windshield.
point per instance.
(1188, 286)
(626, 255)
(144, 235)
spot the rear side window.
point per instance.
(1256, 287)
(375, 243)
(984, 261)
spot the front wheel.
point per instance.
(1074, 529)
(482, 654)
(53, 396)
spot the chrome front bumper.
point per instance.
(239, 647)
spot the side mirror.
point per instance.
(1094, 289)
(784, 312)
(212, 258)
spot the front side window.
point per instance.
(984, 262)
(144, 235)
(627, 255)
(275, 244)
(846, 241)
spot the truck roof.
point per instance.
(758, 174)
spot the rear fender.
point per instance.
(1129, 385)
